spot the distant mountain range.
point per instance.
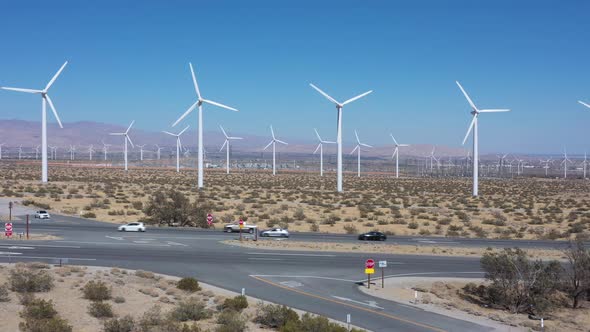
(82, 134)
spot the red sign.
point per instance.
(8, 229)
(209, 218)
(241, 222)
(369, 264)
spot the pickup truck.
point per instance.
(235, 227)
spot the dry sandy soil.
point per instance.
(367, 247)
(444, 296)
(527, 208)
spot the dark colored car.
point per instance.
(373, 236)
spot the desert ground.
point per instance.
(525, 208)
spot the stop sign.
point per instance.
(8, 229)
(209, 218)
(370, 264)
(241, 222)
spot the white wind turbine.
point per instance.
(1, 150)
(584, 163)
(37, 152)
(473, 126)
(564, 162)
(158, 150)
(433, 159)
(199, 104)
(273, 143)
(20, 151)
(72, 151)
(90, 150)
(321, 148)
(53, 152)
(226, 144)
(546, 167)
(126, 134)
(357, 148)
(44, 100)
(178, 146)
(396, 154)
(339, 107)
(105, 148)
(141, 151)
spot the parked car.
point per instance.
(132, 227)
(42, 214)
(276, 232)
(235, 227)
(373, 236)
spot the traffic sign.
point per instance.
(382, 264)
(370, 264)
(369, 271)
(209, 219)
(8, 229)
(241, 224)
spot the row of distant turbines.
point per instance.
(45, 99)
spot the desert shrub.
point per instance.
(350, 229)
(188, 284)
(119, 299)
(100, 310)
(145, 274)
(38, 309)
(89, 215)
(25, 280)
(189, 309)
(173, 207)
(237, 303)
(311, 323)
(55, 324)
(299, 214)
(275, 316)
(413, 225)
(4, 295)
(123, 324)
(96, 291)
(231, 321)
(314, 227)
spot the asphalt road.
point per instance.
(320, 282)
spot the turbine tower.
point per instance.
(226, 143)
(273, 143)
(127, 138)
(178, 146)
(473, 126)
(585, 162)
(321, 148)
(199, 104)
(396, 154)
(339, 107)
(141, 151)
(564, 162)
(1, 150)
(72, 151)
(45, 99)
(158, 150)
(20, 151)
(105, 148)
(546, 167)
(357, 148)
(90, 150)
(53, 152)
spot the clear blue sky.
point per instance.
(129, 60)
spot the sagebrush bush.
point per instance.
(25, 280)
(237, 303)
(4, 295)
(38, 309)
(123, 324)
(275, 316)
(188, 284)
(55, 324)
(96, 291)
(231, 321)
(189, 309)
(100, 310)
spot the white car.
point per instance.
(235, 227)
(132, 227)
(276, 232)
(42, 214)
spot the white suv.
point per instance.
(132, 227)
(42, 214)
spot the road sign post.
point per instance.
(27, 226)
(9, 211)
(369, 269)
(382, 265)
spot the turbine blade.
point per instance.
(190, 109)
(117, 134)
(357, 97)
(318, 135)
(224, 134)
(195, 81)
(316, 149)
(357, 137)
(269, 144)
(403, 145)
(55, 76)
(281, 142)
(494, 111)
(394, 141)
(324, 94)
(467, 97)
(329, 142)
(169, 133)
(224, 144)
(470, 127)
(182, 132)
(234, 137)
(129, 139)
(366, 145)
(353, 150)
(53, 109)
(394, 152)
(272, 132)
(220, 105)
(179, 143)
(579, 101)
(22, 90)
(129, 128)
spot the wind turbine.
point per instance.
(273, 143)
(546, 167)
(433, 159)
(20, 151)
(158, 150)
(339, 107)
(321, 148)
(53, 152)
(44, 100)
(564, 162)
(585, 162)
(178, 146)
(1, 150)
(72, 151)
(473, 126)
(90, 150)
(126, 134)
(227, 139)
(396, 154)
(199, 104)
(37, 152)
(357, 148)
(105, 149)
(141, 151)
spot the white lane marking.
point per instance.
(371, 304)
(16, 247)
(292, 276)
(176, 243)
(56, 258)
(185, 238)
(283, 254)
(10, 253)
(291, 283)
(422, 273)
(115, 237)
(265, 259)
(53, 246)
(119, 243)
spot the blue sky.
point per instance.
(129, 60)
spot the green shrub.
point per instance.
(231, 321)
(4, 296)
(38, 309)
(55, 324)
(123, 324)
(100, 310)
(189, 309)
(188, 284)
(89, 215)
(96, 291)
(237, 303)
(275, 316)
(24, 280)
